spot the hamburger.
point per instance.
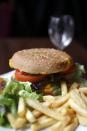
(43, 67)
(40, 77)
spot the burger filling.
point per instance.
(50, 84)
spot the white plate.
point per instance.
(8, 75)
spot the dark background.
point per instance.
(30, 18)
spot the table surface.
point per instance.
(9, 46)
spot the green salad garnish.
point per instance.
(78, 75)
(10, 95)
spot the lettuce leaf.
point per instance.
(32, 95)
(78, 75)
(15, 89)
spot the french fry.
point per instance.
(37, 113)
(74, 86)
(20, 123)
(75, 95)
(11, 119)
(30, 116)
(83, 89)
(65, 105)
(72, 126)
(59, 126)
(64, 111)
(82, 120)
(71, 112)
(26, 126)
(56, 127)
(45, 110)
(42, 124)
(46, 103)
(60, 101)
(49, 98)
(68, 111)
(21, 107)
(16, 123)
(84, 97)
(77, 108)
(42, 118)
(45, 119)
(64, 88)
(66, 120)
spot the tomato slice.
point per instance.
(70, 70)
(22, 76)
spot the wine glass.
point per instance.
(61, 31)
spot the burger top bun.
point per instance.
(41, 61)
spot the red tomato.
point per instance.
(70, 70)
(22, 76)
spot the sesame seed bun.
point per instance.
(41, 61)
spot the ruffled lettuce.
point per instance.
(78, 75)
(10, 96)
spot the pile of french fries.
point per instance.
(56, 113)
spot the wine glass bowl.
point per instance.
(61, 31)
